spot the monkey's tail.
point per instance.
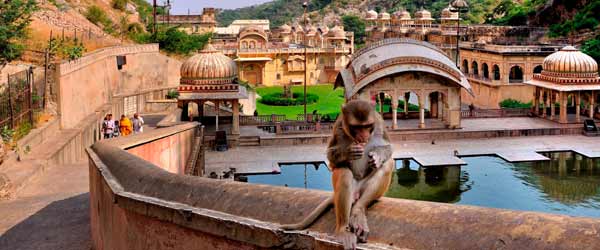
(308, 220)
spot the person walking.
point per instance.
(108, 126)
(125, 126)
(138, 123)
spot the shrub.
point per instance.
(173, 40)
(511, 103)
(119, 4)
(97, 16)
(70, 49)
(277, 99)
(172, 94)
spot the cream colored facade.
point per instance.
(192, 24)
(499, 72)
(278, 58)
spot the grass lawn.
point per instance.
(329, 101)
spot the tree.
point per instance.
(15, 16)
(356, 25)
(592, 48)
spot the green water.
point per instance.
(567, 184)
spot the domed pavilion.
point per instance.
(211, 76)
(570, 78)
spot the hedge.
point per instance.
(277, 99)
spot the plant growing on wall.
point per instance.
(172, 94)
(69, 49)
(15, 16)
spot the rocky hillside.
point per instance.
(505, 12)
(284, 11)
(97, 23)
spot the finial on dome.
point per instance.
(208, 48)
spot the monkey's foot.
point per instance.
(358, 225)
(347, 239)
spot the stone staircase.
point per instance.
(249, 141)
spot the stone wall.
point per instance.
(169, 152)
(89, 82)
(138, 205)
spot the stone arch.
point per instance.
(537, 69)
(485, 70)
(475, 68)
(516, 74)
(496, 72)
(465, 66)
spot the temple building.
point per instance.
(284, 55)
(422, 27)
(398, 68)
(499, 72)
(570, 79)
(191, 24)
(210, 76)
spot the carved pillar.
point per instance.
(216, 115)
(421, 112)
(592, 100)
(545, 97)
(578, 107)
(406, 98)
(552, 101)
(536, 101)
(434, 105)
(563, 107)
(394, 112)
(235, 126)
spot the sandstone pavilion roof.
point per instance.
(396, 55)
(423, 14)
(371, 15)
(402, 15)
(384, 16)
(447, 14)
(209, 74)
(568, 70)
(337, 32)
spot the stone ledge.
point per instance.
(249, 213)
(67, 67)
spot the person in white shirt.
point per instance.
(108, 126)
(138, 123)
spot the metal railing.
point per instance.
(495, 113)
(16, 102)
(261, 119)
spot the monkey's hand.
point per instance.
(375, 160)
(356, 151)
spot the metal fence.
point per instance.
(495, 113)
(16, 102)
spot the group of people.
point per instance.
(123, 127)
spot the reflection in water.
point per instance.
(568, 184)
(568, 178)
(411, 181)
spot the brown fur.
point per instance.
(354, 176)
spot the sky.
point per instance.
(195, 6)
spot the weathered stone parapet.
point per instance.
(70, 66)
(136, 205)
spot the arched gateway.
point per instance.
(398, 67)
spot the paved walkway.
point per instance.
(266, 159)
(50, 213)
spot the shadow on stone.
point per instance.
(63, 224)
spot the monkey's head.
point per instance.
(359, 119)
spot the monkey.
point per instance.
(360, 157)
